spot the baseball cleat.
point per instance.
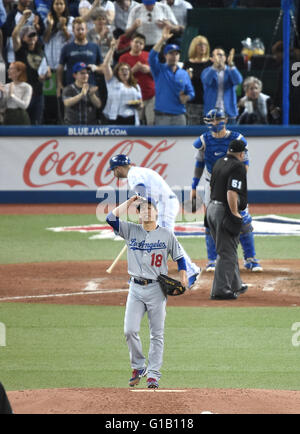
(137, 374)
(242, 289)
(210, 267)
(228, 296)
(192, 280)
(197, 283)
(252, 264)
(152, 383)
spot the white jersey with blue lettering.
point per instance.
(156, 186)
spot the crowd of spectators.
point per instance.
(118, 62)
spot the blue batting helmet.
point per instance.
(214, 115)
(119, 160)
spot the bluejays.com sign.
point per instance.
(96, 131)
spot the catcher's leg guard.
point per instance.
(210, 246)
(247, 243)
(246, 236)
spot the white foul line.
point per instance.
(27, 297)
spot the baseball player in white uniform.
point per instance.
(149, 245)
(148, 183)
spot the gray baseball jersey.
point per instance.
(148, 251)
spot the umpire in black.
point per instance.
(228, 197)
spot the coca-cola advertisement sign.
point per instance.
(52, 163)
(82, 163)
(282, 168)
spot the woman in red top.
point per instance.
(137, 58)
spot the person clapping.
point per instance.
(16, 95)
(81, 100)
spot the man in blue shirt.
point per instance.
(81, 50)
(173, 86)
(219, 84)
(211, 146)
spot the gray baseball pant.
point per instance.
(142, 299)
(227, 274)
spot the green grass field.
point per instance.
(51, 346)
(24, 238)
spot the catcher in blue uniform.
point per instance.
(211, 146)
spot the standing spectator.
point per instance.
(3, 14)
(86, 9)
(58, 31)
(29, 50)
(80, 99)
(149, 18)
(13, 18)
(173, 87)
(42, 7)
(122, 9)
(80, 50)
(198, 60)
(228, 198)
(124, 96)
(100, 33)
(16, 95)
(255, 107)
(219, 83)
(179, 9)
(137, 58)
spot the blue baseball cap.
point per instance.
(119, 160)
(149, 2)
(79, 66)
(171, 47)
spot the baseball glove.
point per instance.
(170, 286)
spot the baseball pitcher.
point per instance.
(149, 246)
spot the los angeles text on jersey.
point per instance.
(142, 245)
(96, 131)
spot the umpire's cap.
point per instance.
(118, 160)
(237, 146)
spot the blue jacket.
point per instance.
(232, 77)
(168, 85)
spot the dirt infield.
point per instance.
(87, 283)
(143, 401)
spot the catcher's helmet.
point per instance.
(119, 160)
(214, 115)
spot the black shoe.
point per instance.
(242, 289)
(228, 296)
